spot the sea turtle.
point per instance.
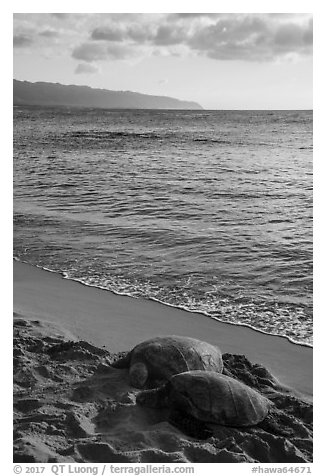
(156, 360)
(197, 398)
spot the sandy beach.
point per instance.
(71, 405)
(119, 323)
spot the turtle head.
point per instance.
(156, 398)
(138, 375)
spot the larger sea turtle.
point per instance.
(196, 398)
(158, 359)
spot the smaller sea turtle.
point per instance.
(197, 398)
(156, 360)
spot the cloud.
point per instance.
(190, 16)
(22, 40)
(170, 35)
(89, 52)
(141, 33)
(120, 51)
(60, 16)
(222, 36)
(293, 36)
(49, 33)
(247, 37)
(130, 32)
(252, 38)
(86, 68)
(108, 33)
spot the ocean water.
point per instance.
(210, 211)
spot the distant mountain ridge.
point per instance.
(55, 94)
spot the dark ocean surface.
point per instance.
(210, 211)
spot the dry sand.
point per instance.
(70, 405)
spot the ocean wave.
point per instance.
(125, 292)
(104, 135)
(143, 204)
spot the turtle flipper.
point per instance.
(189, 425)
(277, 423)
(227, 372)
(123, 362)
(154, 398)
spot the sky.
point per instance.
(220, 60)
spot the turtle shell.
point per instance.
(216, 398)
(171, 355)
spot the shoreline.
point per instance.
(63, 275)
(119, 322)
